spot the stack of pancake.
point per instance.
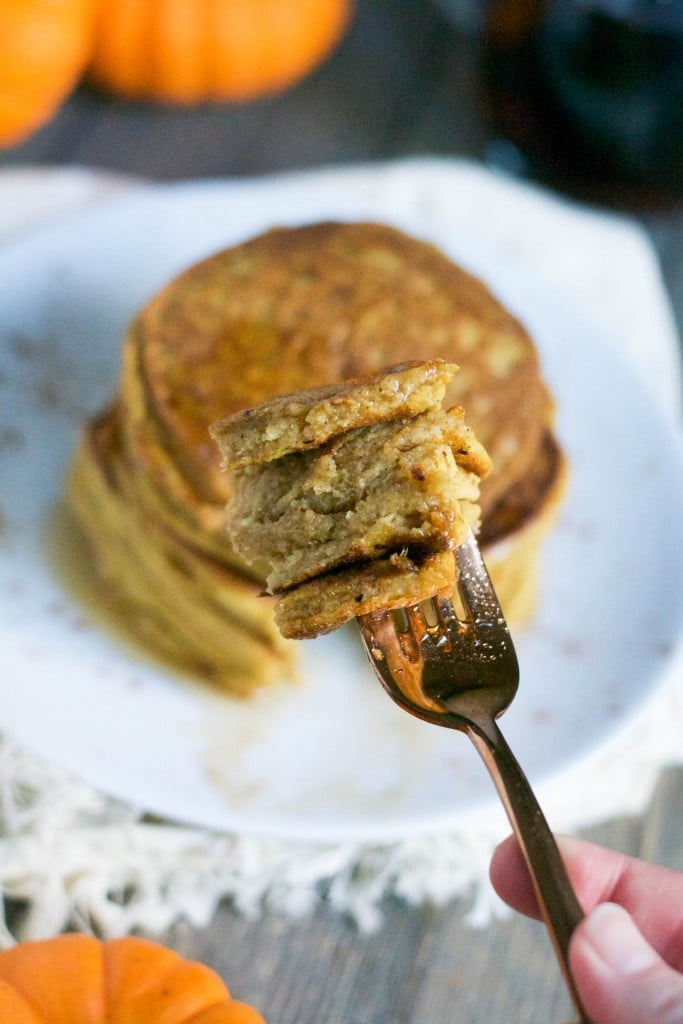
(291, 309)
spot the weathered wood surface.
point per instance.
(426, 965)
(403, 82)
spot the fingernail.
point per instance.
(614, 938)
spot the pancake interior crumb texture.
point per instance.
(354, 523)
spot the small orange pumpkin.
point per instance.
(77, 978)
(186, 51)
(44, 48)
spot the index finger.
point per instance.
(653, 895)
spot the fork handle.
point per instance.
(556, 898)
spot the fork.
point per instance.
(460, 670)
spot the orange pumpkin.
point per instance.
(44, 48)
(77, 978)
(186, 51)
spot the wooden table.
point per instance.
(402, 82)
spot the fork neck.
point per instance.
(562, 912)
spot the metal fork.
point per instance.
(461, 671)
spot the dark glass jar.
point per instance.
(590, 92)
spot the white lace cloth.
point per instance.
(74, 855)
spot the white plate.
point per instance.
(333, 759)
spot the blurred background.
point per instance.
(583, 96)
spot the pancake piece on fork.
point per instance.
(355, 496)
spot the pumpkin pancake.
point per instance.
(512, 535)
(159, 482)
(315, 305)
(347, 492)
(191, 610)
(307, 419)
(325, 603)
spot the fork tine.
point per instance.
(474, 586)
(408, 631)
(416, 621)
(446, 615)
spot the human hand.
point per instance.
(626, 956)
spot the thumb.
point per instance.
(621, 979)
